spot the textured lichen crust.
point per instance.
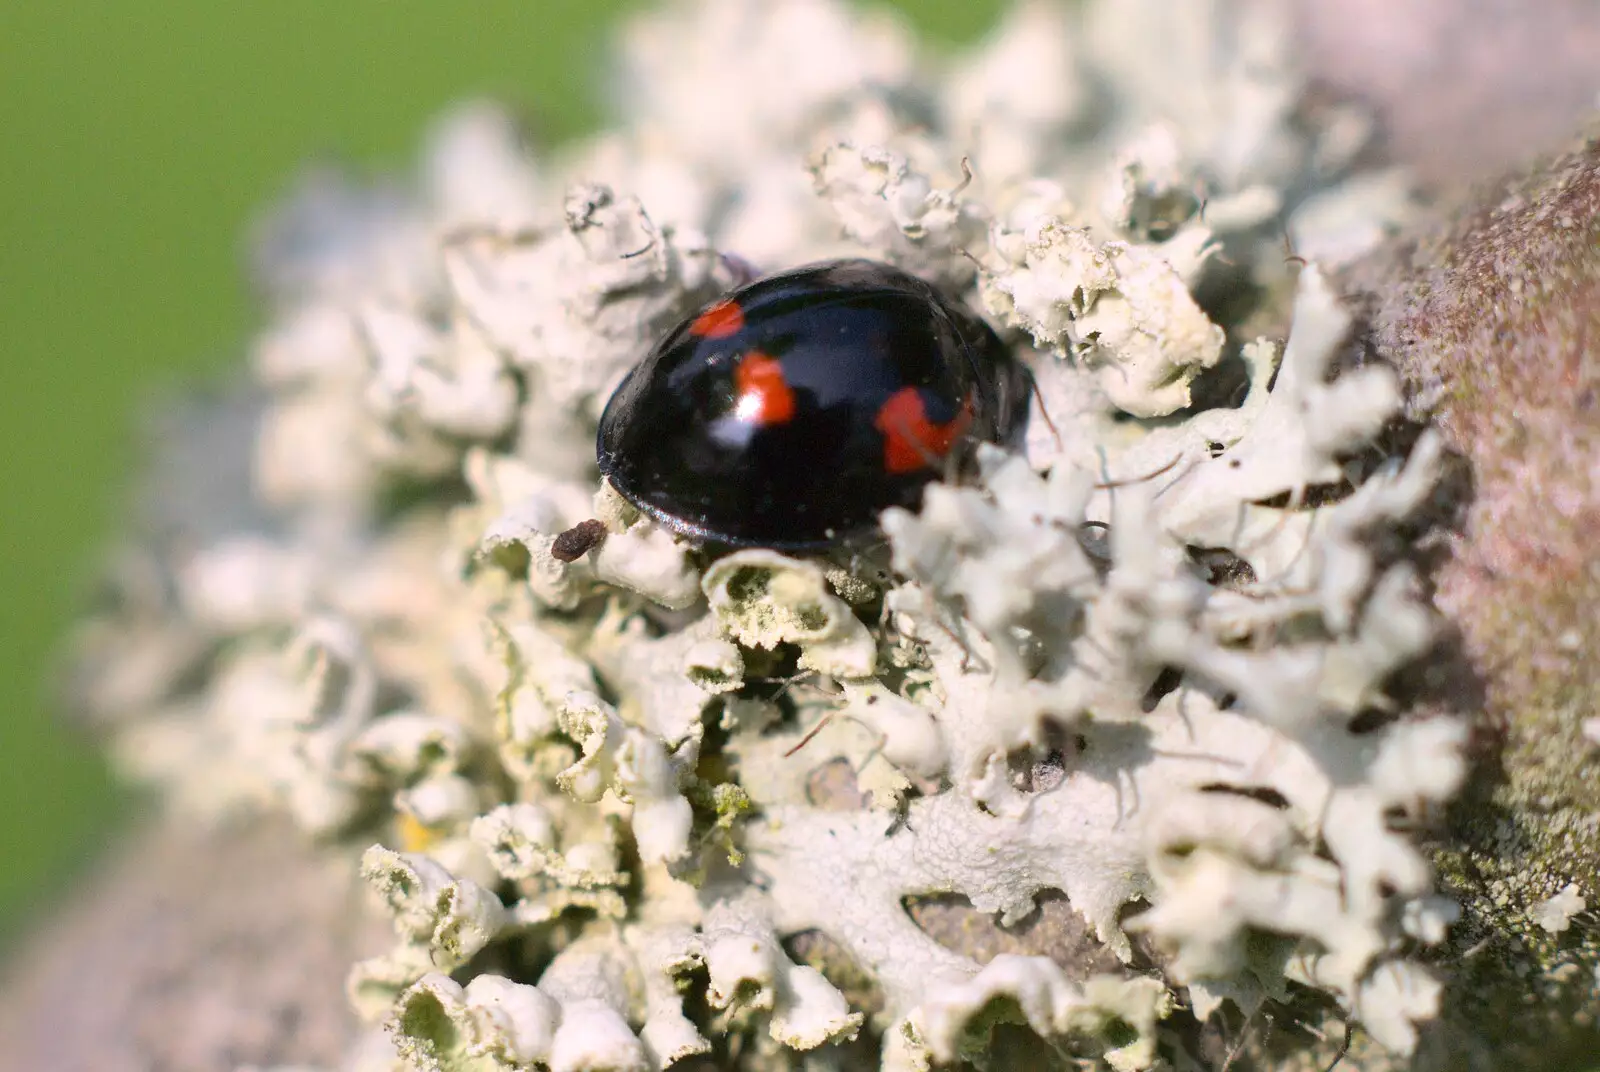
(610, 803)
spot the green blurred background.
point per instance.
(138, 139)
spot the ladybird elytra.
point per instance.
(792, 411)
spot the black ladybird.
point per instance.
(792, 411)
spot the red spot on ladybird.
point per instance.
(910, 440)
(718, 322)
(764, 396)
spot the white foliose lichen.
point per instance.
(1141, 664)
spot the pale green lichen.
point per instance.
(761, 599)
(601, 788)
(1121, 309)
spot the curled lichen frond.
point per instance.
(1120, 309)
(572, 1023)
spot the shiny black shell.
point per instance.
(790, 412)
